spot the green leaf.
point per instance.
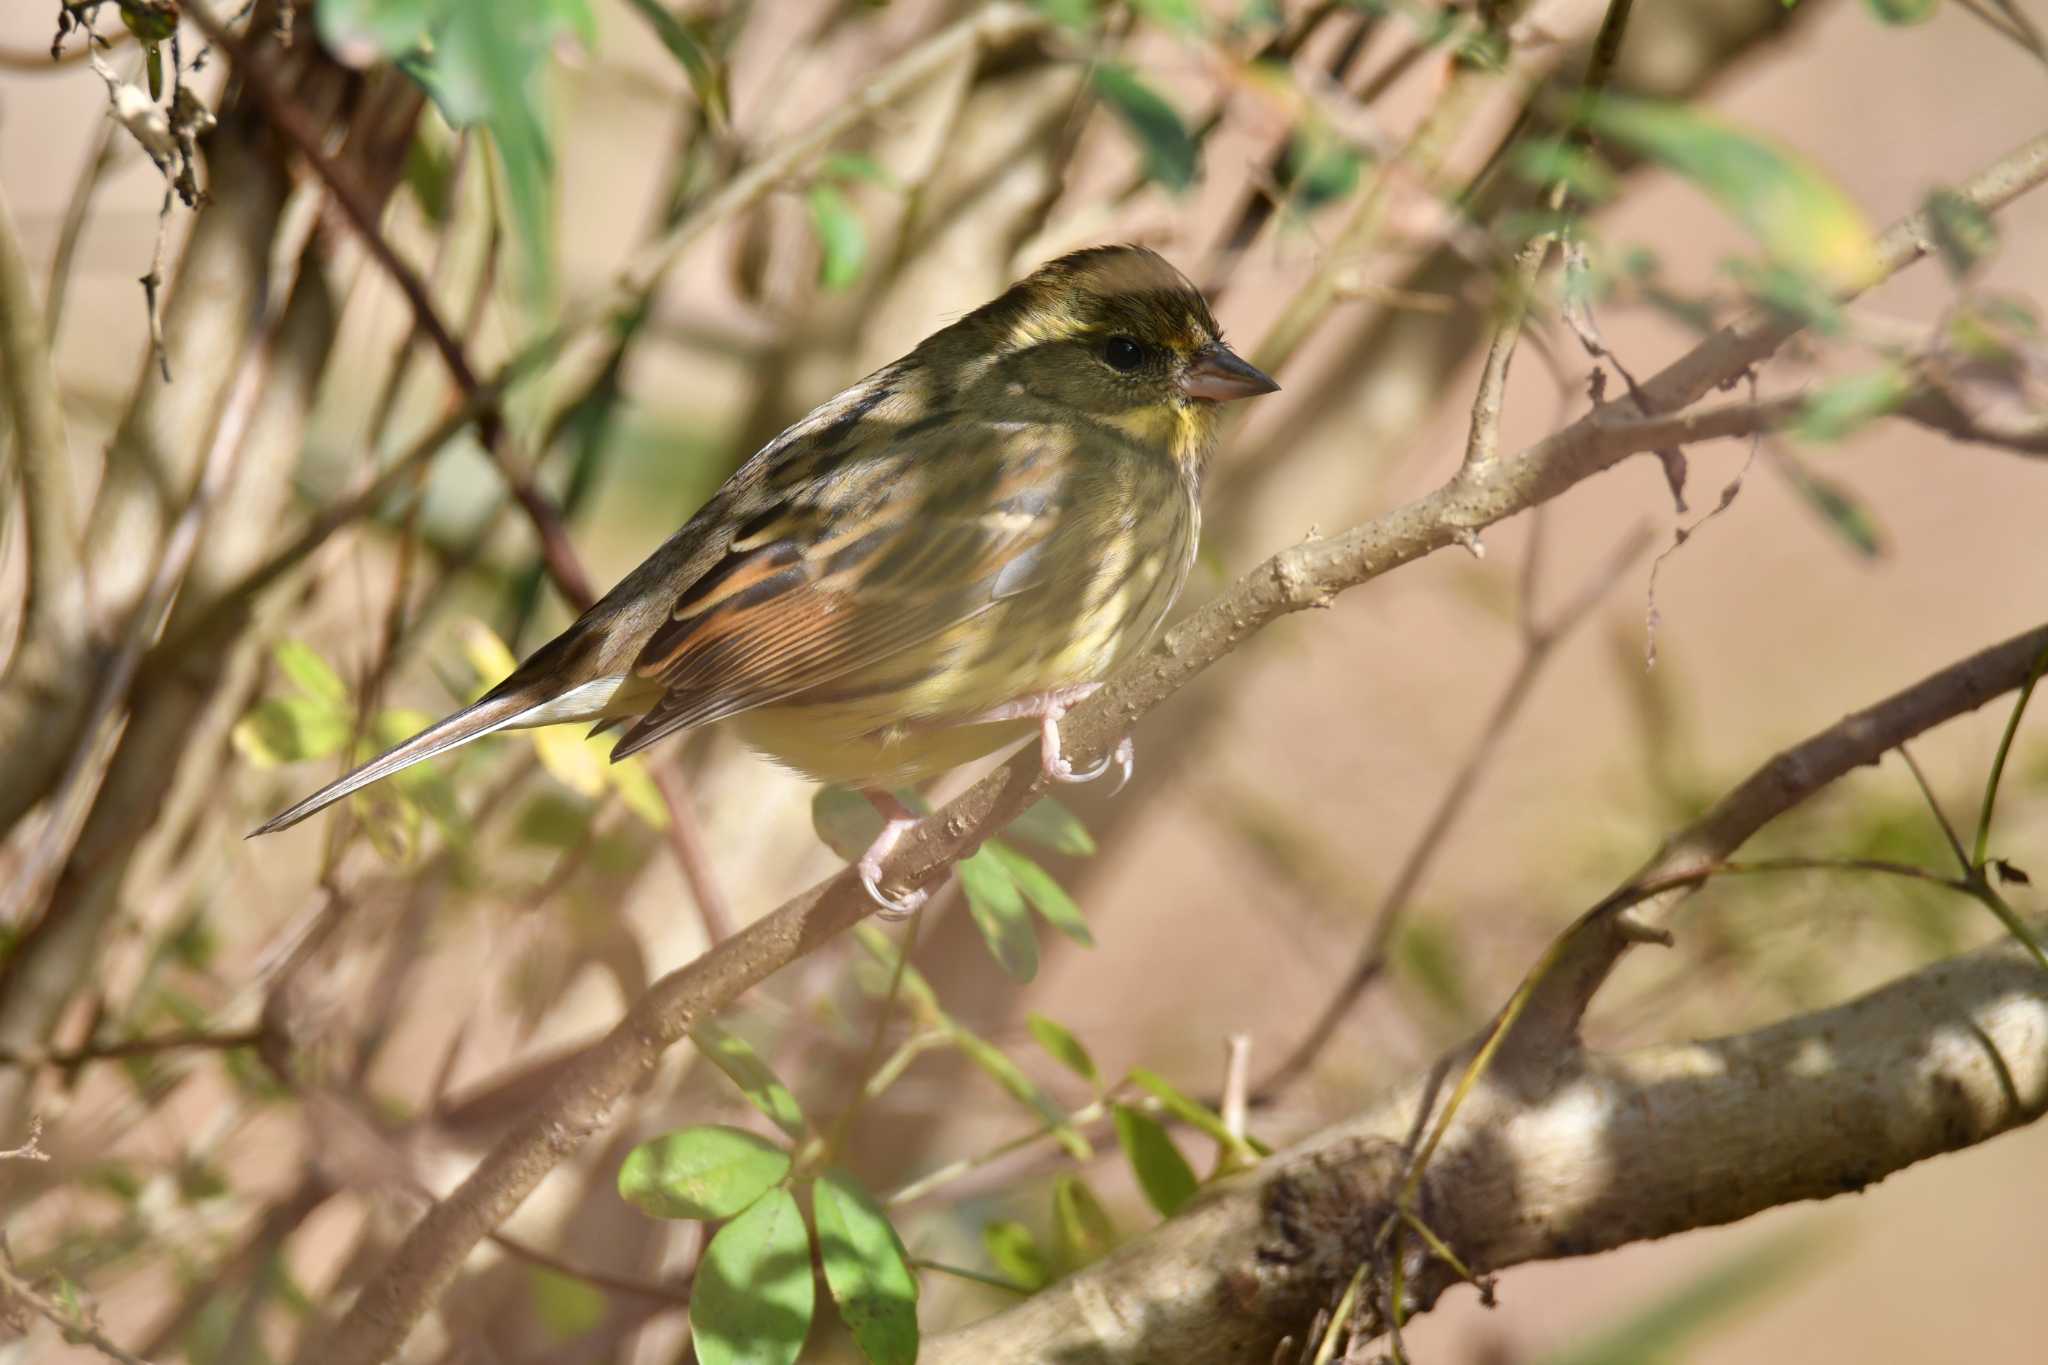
(1047, 896)
(745, 1068)
(1963, 233)
(705, 72)
(1074, 14)
(1182, 16)
(844, 821)
(1322, 167)
(567, 1307)
(753, 1297)
(1840, 406)
(855, 166)
(1547, 161)
(1017, 1255)
(1429, 955)
(310, 673)
(997, 906)
(843, 242)
(1170, 152)
(637, 793)
(707, 1172)
(485, 68)
(1189, 1112)
(1903, 12)
(1051, 825)
(288, 730)
(1085, 1231)
(1841, 511)
(1802, 219)
(430, 173)
(866, 1269)
(363, 32)
(1004, 1073)
(1064, 1047)
(1163, 1173)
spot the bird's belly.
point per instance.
(916, 714)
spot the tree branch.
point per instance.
(1618, 1148)
(1306, 575)
(28, 382)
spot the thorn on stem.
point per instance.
(1634, 930)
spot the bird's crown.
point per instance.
(1102, 290)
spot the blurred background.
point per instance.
(1276, 800)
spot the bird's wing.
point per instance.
(847, 559)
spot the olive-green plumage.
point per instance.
(1003, 514)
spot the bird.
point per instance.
(931, 565)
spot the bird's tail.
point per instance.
(494, 712)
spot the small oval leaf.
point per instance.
(1051, 825)
(1085, 1231)
(289, 730)
(866, 1269)
(1046, 895)
(1017, 1255)
(757, 1080)
(1170, 152)
(996, 905)
(1064, 1047)
(707, 1172)
(310, 673)
(1163, 1173)
(753, 1297)
(1804, 221)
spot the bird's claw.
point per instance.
(887, 906)
(1057, 769)
(897, 820)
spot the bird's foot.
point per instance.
(897, 820)
(1048, 708)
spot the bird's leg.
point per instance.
(897, 820)
(1047, 708)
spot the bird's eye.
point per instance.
(1124, 354)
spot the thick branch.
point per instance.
(1619, 1149)
(28, 383)
(1303, 576)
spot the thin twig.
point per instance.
(685, 834)
(66, 1057)
(1982, 848)
(76, 1322)
(181, 545)
(1539, 644)
(1948, 831)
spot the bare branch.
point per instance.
(41, 451)
(1938, 411)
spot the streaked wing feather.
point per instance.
(814, 593)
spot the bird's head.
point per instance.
(1118, 334)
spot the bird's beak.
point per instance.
(1219, 375)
